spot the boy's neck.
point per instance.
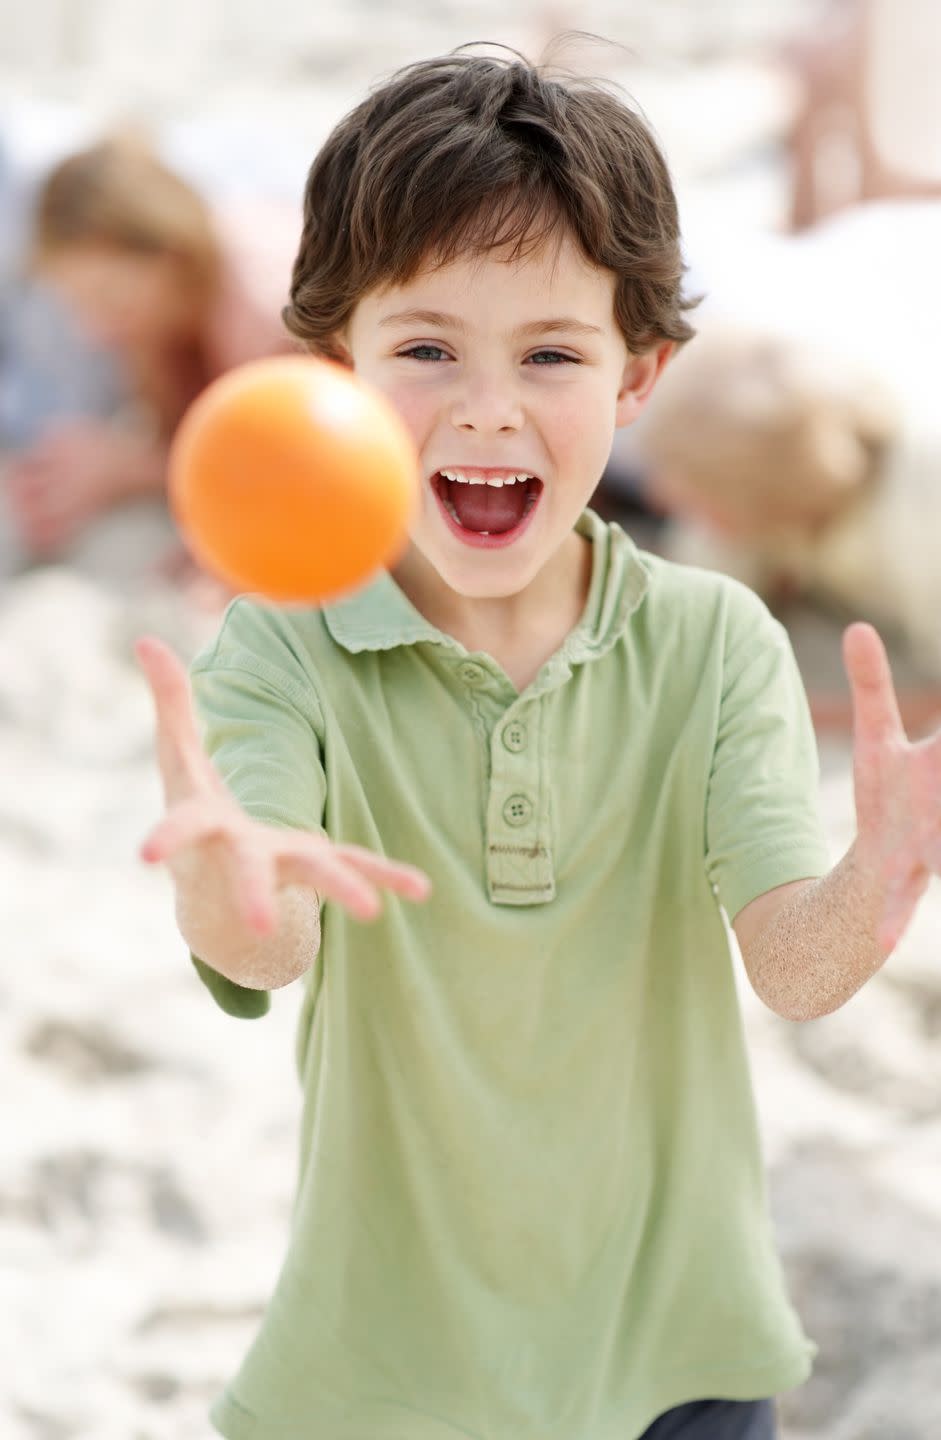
(520, 631)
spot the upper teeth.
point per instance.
(471, 477)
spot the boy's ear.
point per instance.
(641, 374)
(339, 349)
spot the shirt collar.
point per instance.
(381, 617)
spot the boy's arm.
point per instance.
(222, 936)
(248, 893)
(809, 946)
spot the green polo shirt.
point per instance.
(531, 1201)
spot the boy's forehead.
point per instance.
(553, 280)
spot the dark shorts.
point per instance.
(716, 1420)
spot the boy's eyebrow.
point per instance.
(439, 321)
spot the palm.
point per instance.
(258, 859)
(897, 786)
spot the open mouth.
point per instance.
(487, 508)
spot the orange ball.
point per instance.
(293, 478)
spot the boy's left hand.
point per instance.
(897, 787)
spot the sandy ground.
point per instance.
(148, 1163)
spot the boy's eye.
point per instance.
(433, 353)
(424, 352)
(552, 357)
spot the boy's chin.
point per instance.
(493, 575)
(506, 578)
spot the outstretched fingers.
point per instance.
(876, 714)
(349, 874)
(184, 765)
(331, 878)
(189, 823)
(168, 680)
(320, 865)
(406, 880)
(932, 854)
(900, 904)
(255, 881)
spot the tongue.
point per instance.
(487, 507)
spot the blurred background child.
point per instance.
(158, 295)
(797, 443)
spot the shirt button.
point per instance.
(517, 810)
(514, 736)
(471, 674)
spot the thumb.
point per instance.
(184, 766)
(875, 708)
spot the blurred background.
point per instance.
(152, 158)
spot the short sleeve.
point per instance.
(263, 732)
(763, 821)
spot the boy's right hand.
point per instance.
(255, 860)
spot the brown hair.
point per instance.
(471, 153)
(119, 193)
(771, 429)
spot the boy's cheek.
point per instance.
(577, 425)
(416, 411)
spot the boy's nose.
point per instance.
(487, 407)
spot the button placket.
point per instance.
(519, 864)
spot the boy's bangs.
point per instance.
(518, 223)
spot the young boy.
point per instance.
(531, 1203)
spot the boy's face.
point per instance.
(502, 369)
